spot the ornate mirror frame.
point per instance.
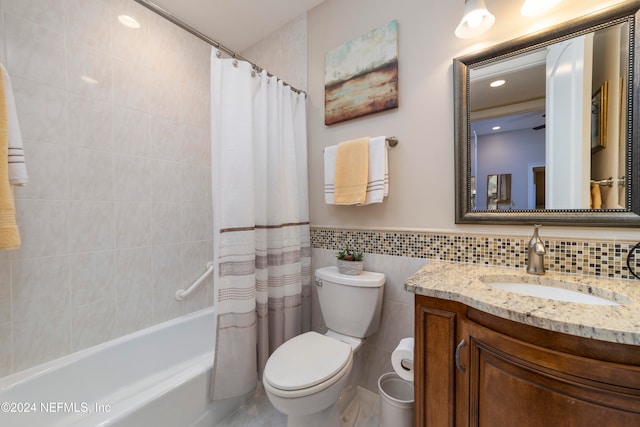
(630, 217)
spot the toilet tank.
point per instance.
(350, 305)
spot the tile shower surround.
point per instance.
(603, 258)
(117, 214)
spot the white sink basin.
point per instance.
(540, 287)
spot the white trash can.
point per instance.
(396, 401)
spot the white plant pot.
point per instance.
(352, 268)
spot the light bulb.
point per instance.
(474, 19)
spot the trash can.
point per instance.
(396, 401)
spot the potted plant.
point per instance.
(350, 261)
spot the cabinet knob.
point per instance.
(457, 355)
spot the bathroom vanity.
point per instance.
(485, 356)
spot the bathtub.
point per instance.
(158, 376)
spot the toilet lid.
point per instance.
(306, 360)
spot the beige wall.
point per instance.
(422, 165)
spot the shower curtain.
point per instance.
(261, 221)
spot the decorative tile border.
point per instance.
(603, 258)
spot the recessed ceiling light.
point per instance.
(495, 128)
(128, 21)
(497, 83)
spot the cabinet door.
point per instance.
(434, 370)
(512, 383)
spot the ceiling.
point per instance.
(516, 105)
(236, 24)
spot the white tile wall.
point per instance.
(284, 52)
(42, 110)
(117, 214)
(34, 52)
(48, 13)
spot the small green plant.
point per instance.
(350, 254)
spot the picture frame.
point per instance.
(599, 119)
(361, 76)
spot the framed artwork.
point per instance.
(599, 119)
(361, 76)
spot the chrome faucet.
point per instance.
(536, 251)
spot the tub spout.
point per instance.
(536, 251)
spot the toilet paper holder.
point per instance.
(407, 364)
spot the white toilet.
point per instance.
(304, 377)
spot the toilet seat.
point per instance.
(306, 364)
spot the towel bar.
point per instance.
(609, 182)
(391, 141)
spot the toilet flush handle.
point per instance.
(319, 282)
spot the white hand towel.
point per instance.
(330, 173)
(378, 180)
(17, 168)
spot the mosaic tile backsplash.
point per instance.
(603, 258)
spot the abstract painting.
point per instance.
(361, 76)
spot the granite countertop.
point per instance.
(462, 283)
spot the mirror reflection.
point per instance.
(554, 121)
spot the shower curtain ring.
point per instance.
(218, 54)
(235, 63)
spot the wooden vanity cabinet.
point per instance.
(508, 374)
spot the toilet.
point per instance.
(305, 376)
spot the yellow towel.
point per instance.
(596, 197)
(352, 171)
(9, 237)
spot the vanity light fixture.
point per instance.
(128, 21)
(497, 83)
(476, 19)
(536, 7)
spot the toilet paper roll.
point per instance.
(404, 351)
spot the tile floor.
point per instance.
(363, 411)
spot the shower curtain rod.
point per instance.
(168, 16)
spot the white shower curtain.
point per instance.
(261, 221)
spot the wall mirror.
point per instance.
(561, 120)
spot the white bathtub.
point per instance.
(159, 377)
